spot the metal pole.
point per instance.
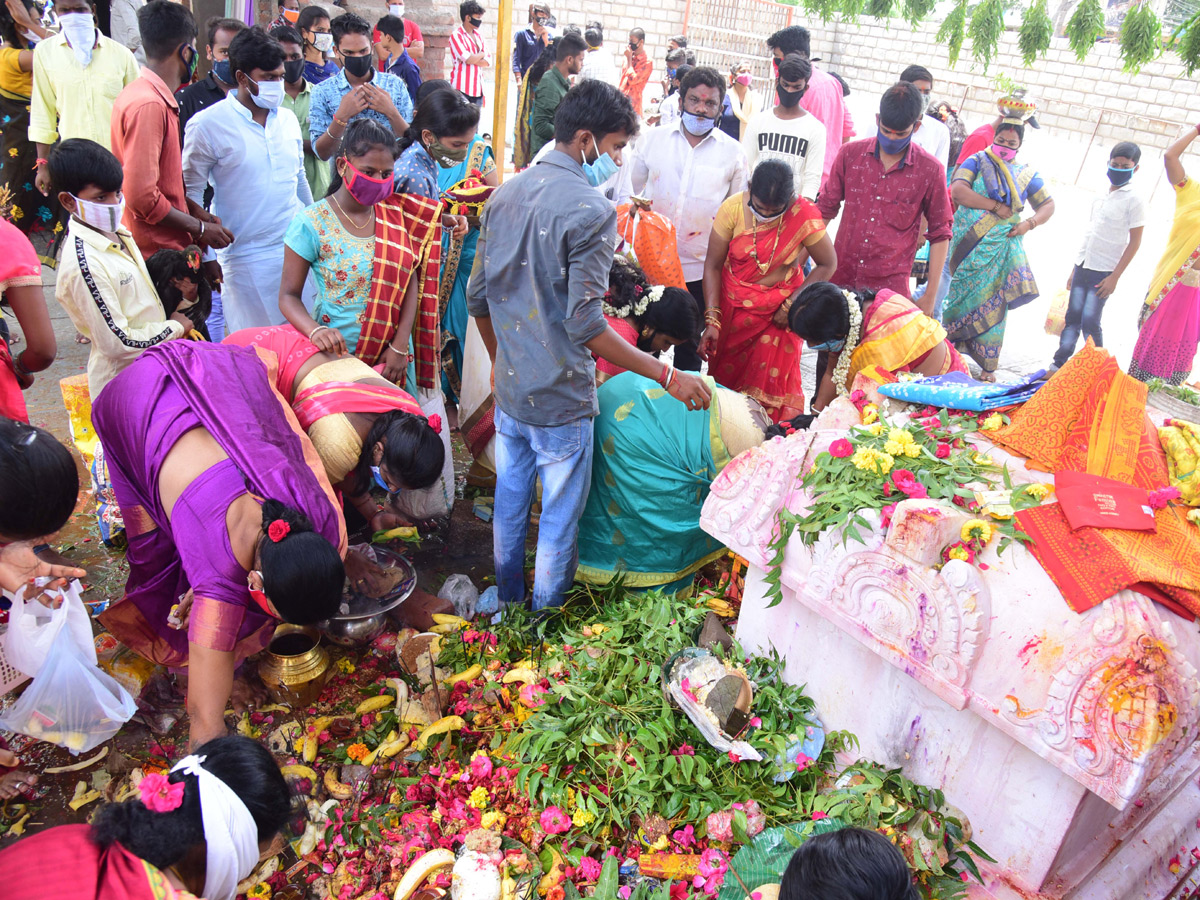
(1091, 140)
(503, 70)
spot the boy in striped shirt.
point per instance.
(468, 52)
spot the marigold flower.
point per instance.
(357, 752)
(493, 820)
(994, 422)
(870, 413)
(582, 818)
(876, 430)
(1039, 491)
(900, 436)
(261, 891)
(895, 448)
(479, 798)
(976, 530)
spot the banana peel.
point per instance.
(444, 725)
(425, 867)
(337, 789)
(83, 796)
(299, 771)
(469, 674)
(372, 704)
(17, 828)
(448, 619)
(408, 710)
(525, 676)
(312, 737)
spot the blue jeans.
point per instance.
(216, 320)
(943, 291)
(1084, 308)
(562, 456)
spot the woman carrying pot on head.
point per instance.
(363, 427)
(232, 523)
(651, 318)
(865, 328)
(195, 832)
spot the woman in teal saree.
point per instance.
(653, 465)
(990, 270)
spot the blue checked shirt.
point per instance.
(327, 96)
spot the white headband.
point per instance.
(229, 831)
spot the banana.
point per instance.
(337, 789)
(299, 771)
(403, 532)
(395, 746)
(445, 629)
(408, 710)
(525, 676)
(369, 759)
(466, 675)
(444, 725)
(313, 739)
(420, 871)
(446, 619)
(374, 703)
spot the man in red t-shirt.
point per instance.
(414, 41)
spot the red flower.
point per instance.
(907, 482)
(341, 275)
(734, 758)
(818, 816)
(278, 530)
(841, 448)
(1161, 498)
(887, 512)
(435, 422)
(943, 450)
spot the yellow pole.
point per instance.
(503, 70)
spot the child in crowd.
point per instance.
(849, 864)
(103, 283)
(1113, 237)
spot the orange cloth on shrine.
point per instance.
(1091, 417)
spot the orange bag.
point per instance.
(651, 236)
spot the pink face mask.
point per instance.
(367, 190)
(744, 78)
(1008, 154)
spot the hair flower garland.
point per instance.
(841, 371)
(278, 530)
(159, 794)
(639, 306)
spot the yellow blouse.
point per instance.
(13, 81)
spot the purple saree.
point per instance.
(171, 389)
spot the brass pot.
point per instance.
(295, 665)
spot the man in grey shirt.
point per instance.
(541, 270)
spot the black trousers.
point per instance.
(686, 357)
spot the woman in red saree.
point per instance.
(752, 272)
(194, 832)
(358, 421)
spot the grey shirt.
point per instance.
(546, 244)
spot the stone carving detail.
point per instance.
(1123, 705)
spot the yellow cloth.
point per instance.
(1181, 441)
(895, 332)
(1183, 246)
(70, 101)
(12, 80)
(337, 443)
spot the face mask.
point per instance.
(446, 157)
(788, 99)
(291, 15)
(633, 45)
(104, 216)
(1119, 176)
(744, 79)
(599, 171)
(358, 66)
(475, 21)
(396, 9)
(80, 31)
(270, 93)
(220, 70)
(670, 74)
(190, 63)
(893, 146)
(293, 70)
(378, 476)
(366, 190)
(759, 217)
(1008, 154)
(698, 125)
(261, 601)
(33, 39)
(831, 346)
(323, 41)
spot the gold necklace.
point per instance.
(350, 218)
(763, 269)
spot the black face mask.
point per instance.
(359, 66)
(789, 99)
(475, 21)
(293, 70)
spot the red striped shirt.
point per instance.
(463, 76)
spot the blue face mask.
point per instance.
(698, 125)
(377, 475)
(893, 146)
(1119, 177)
(221, 70)
(831, 346)
(600, 171)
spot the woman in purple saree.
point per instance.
(228, 512)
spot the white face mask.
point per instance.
(270, 93)
(104, 216)
(323, 42)
(80, 31)
(396, 9)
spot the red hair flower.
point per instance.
(159, 794)
(435, 422)
(278, 530)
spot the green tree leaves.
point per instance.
(1036, 31)
(1141, 37)
(1085, 27)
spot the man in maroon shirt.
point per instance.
(888, 184)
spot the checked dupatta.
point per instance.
(408, 241)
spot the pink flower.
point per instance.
(841, 448)
(531, 695)
(159, 794)
(624, 892)
(803, 761)
(886, 514)
(734, 758)
(755, 722)
(589, 868)
(818, 816)
(907, 483)
(685, 837)
(435, 422)
(688, 692)
(554, 821)
(481, 766)
(684, 750)
(943, 450)
(1163, 496)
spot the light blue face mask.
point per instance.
(600, 171)
(378, 476)
(831, 346)
(698, 125)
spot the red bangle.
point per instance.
(662, 379)
(41, 162)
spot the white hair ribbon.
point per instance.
(229, 831)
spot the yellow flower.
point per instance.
(912, 450)
(864, 458)
(12, 151)
(661, 844)
(884, 463)
(345, 666)
(570, 798)
(870, 413)
(437, 816)
(895, 448)
(1193, 516)
(996, 512)
(357, 752)
(876, 429)
(583, 818)
(261, 891)
(994, 422)
(494, 820)
(959, 553)
(479, 798)
(900, 436)
(1039, 491)
(981, 459)
(976, 529)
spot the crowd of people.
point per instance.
(298, 273)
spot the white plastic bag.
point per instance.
(32, 627)
(461, 591)
(71, 702)
(435, 501)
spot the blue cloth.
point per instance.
(327, 95)
(216, 319)
(527, 47)
(1084, 309)
(416, 172)
(939, 302)
(404, 67)
(562, 456)
(957, 390)
(315, 73)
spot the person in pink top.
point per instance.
(824, 97)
